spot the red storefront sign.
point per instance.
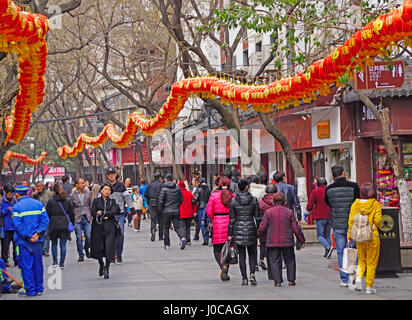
(380, 76)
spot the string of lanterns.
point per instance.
(24, 34)
(376, 38)
(27, 160)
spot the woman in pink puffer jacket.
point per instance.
(218, 212)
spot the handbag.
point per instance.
(228, 254)
(209, 230)
(70, 226)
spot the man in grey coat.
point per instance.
(81, 199)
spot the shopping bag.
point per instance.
(349, 259)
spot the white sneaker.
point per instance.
(343, 284)
(358, 284)
(370, 290)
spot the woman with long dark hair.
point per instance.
(60, 211)
(218, 211)
(104, 226)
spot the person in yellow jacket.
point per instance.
(368, 252)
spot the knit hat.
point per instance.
(22, 190)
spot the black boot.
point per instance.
(253, 279)
(101, 270)
(106, 270)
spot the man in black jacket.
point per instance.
(169, 202)
(152, 194)
(201, 198)
(339, 196)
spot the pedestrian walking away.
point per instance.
(244, 216)
(123, 199)
(156, 215)
(279, 224)
(289, 192)
(265, 204)
(6, 222)
(201, 198)
(81, 200)
(30, 220)
(368, 251)
(322, 215)
(339, 196)
(217, 211)
(104, 229)
(142, 190)
(60, 211)
(169, 202)
(186, 211)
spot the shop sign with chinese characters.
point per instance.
(381, 76)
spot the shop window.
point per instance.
(342, 157)
(318, 165)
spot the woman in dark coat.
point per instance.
(243, 220)
(103, 231)
(279, 224)
(59, 222)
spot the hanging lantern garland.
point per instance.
(24, 34)
(32, 162)
(374, 39)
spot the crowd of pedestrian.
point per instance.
(245, 214)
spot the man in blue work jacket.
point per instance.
(31, 221)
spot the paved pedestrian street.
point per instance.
(149, 272)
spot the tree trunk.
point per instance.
(151, 170)
(404, 197)
(290, 155)
(142, 169)
(230, 118)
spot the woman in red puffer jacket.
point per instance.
(218, 212)
(186, 210)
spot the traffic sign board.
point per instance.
(381, 76)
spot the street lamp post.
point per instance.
(135, 161)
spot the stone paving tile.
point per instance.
(149, 272)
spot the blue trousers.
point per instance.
(31, 266)
(84, 226)
(201, 215)
(323, 227)
(120, 240)
(340, 243)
